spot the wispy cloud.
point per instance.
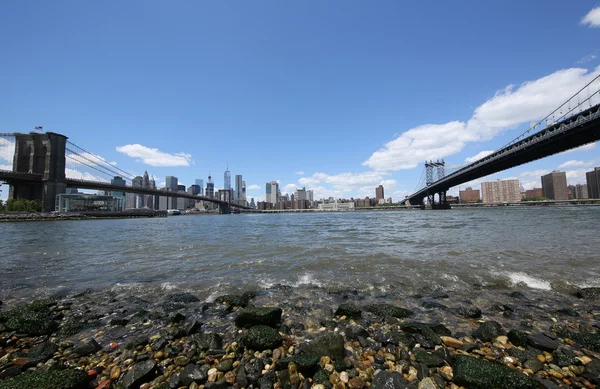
(300, 173)
(479, 155)
(253, 187)
(155, 157)
(509, 108)
(574, 163)
(592, 19)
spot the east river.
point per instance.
(398, 252)
(477, 298)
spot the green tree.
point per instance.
(20, 205)
(2, 207)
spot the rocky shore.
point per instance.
(333, 339)
(52, 216)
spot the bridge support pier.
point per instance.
(441, 204)
(42, 154)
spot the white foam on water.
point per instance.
(168, 286)
(308, 279)
(531, 282)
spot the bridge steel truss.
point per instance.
(575, 131)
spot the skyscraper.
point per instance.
(227, 179)
(272, 191)
(243, 196)
(379, 193)
(554, 186)
(238, 187)
(210, 188)
(200, 183)
(593, 183)
(310, 195)
(118, 180)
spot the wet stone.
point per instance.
(252, 316)
(185, 298)
(389, 380)
(351, 311)
(469, 312)
(51, 379)
(518, 338)
(542, 342)
(261, 337)
(472, 372)
(208, 341)
(592, 371)
(388, 310)
(193, 373)
(427, 358)
(564, 357)
(329, 344)
(221, 384)
(87, 348)
(589, 293)
(533, 364)
(488, 331)
(140, 373)
(225, 366)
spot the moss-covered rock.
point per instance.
(252, 316)
(349, 310)
(427, 358)
(388, 310)
(34, 318)
(590, 341)
(329, 344)
(306, 363)
(236, 300)
(518, 338)
(477, 373)
(488, 331)
(261, 338)
(52, 379)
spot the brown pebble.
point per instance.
(555, 374)
(356, 383)
(145, 386)
(115, 373)
(451, 342)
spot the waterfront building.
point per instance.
(469, 195)
(501, 191)
(535, 192)
(554, 186)
(300, 194)
(310, 195)
(243, 195)
(227, 179)
(336, 206)
(252, 204)
(581, 192)
(593, 183)
(79, 202)
(272, 191)
(379, 193)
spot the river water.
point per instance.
(470, 253)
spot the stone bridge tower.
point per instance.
(42, 154)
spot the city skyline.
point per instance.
(355, 119)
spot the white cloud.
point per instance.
(289, 188)
(577, 176)
(7, 150)
(479, 155)
(592, 18)
(510, 107)
(300, 173)
(155, 157)
(575, 163)
(6, 167)
(253, 187)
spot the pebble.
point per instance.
(115, 373)
(344, 377)
(354, 383)
(446, 373)
(451, 342)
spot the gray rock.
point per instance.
(329, 344)
(252, 316)
(43, 351)
(140, 373)
(182, 298)
(533, 364)
(428, 383)
(261, 338)
(468, 312)
(87, 348)
(592, 371)
(428, 359)
(389, 380)
(225, 365)
(564, 357)
(349, 310)
(488, 331)
(477, 373)
(589, 293)
(193, 373)
(542, 342)
(208, 341)
(388, 310)
(517, 337)
(222, 384)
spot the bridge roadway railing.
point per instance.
(552, 131)
(10, 175)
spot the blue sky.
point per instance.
(337, 96)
